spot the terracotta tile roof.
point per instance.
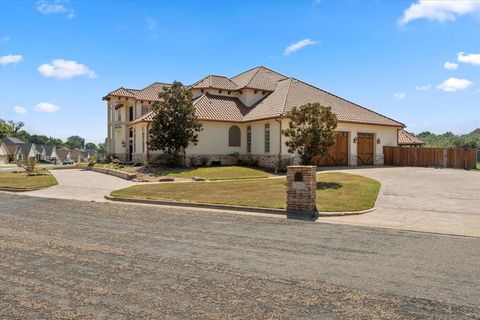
(406, 138)
(147, 117)
(122, 92)
(220, 108)
(151, 92)
(217, 82)
(284, 94)
(258, 78)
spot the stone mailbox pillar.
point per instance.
(301, 189)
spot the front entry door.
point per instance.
(365, 149)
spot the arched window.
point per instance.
(267, 138)
(249, 139)
(234, 136)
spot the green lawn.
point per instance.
(217, 173)
(22, 182)
(335, 192)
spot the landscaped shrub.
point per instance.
(250, 160)
(194, 161)
(235, 156)
(171, 160)
(29, 165)
(204, 160)
(282, 164)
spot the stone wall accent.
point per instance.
(301, 189)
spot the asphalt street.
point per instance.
(72, 259)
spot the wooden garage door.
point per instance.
(364, 149)
(338, 152)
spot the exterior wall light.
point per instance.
(123, 144)
(378, 141)
(355, 140)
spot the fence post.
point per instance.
(445, 157)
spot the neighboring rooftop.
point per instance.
(407, 138)
(11, 140)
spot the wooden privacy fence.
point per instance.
(430, 157)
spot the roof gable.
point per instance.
(12, 140)
(217, 82)
(405, 137)
(260, 78)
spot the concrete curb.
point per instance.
(22, 190)
(112, 172)
(232, 207)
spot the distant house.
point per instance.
(40, 153)
(406, 139)
(14, 152)
(476, 132)
(13, 146)
(76, 155)
(88, 153)
(63, 153)
(51, 153)
(28, 150)
(3, 153)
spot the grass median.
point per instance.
(335, 192)
(22, 182)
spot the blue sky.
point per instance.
(58, 58)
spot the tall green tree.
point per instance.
(10, 128)
(175, 124)
(91, 145)
(311, 131)
(75, 142)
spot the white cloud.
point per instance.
(424, 88)
(400, 95)
(439, 10)
(65, 69)
(473, 58)
(5, 39)
(450, 65)
(454, 84)
(298, 45)
(46, 107)
(19, 110)
(55, 6)
(11, 58)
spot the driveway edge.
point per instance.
(231, 207)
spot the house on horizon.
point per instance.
(4, 154)
(51, 152)
(246, 114)
(63, 153)
(407, 139)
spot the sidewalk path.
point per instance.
(78, 184)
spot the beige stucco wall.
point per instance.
(213, 140)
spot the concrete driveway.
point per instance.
(82, 185)
(422, 199)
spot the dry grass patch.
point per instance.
(335, 192)
(22, 182)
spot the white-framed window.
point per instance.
(267, 138)
(145, 109)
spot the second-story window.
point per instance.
(130, 113)
(119, 115)
(145, 110)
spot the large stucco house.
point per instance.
(245, 114)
